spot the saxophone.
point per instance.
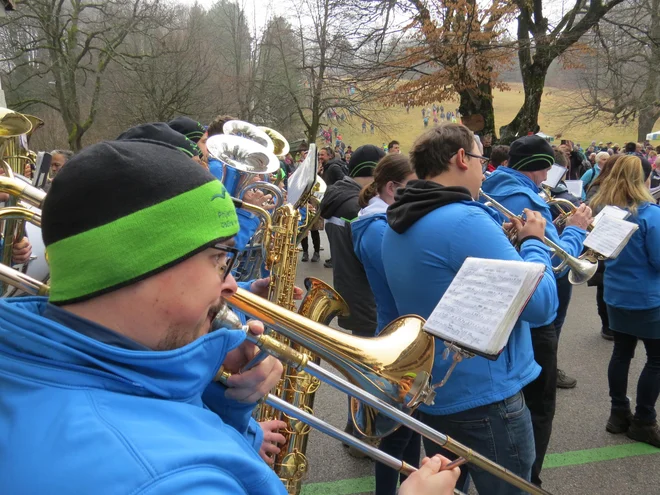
(321, 303)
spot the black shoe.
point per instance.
(607, 334)
(315, 257)
(565, 381)
(645, 433)
(305, 257)
(328, 264)
(329, 260)
(619, 421)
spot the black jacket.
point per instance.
(340, 206)
(333, 171)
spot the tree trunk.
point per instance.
(647, 118)
(477, 112)
(527, 119)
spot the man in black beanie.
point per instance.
(159, 132)
(339, 207)
(517, 187)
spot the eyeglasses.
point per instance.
(484, 159)
(225, 268)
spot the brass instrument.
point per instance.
(581, 269)
(248, 131)
(378, 364)
(14, 128)
(243, 161)
(375, 371)
(321, 303)
(280, 144)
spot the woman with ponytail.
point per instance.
(392, 172)
(632, 295)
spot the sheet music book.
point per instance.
(555, 175)
(610, 236)
(574, 187)
(481, 306)
(614, 211)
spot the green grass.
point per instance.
(555, 118)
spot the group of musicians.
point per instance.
(108, 384)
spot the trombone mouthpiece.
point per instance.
(226, 318)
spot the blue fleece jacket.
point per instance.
(516, 191)
(632, 279)
(82, 417)
(420, 265)
(368, 232)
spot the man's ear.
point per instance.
(461, 159)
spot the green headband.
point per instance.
(140, 244)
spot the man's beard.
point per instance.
(178, 336)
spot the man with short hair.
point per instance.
(58, 160)
(394, 147)
(435, 224)
(124, 344)
(499, 157)
(517, 188)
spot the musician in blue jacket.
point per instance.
(632, 295)
(392, 172)
(435, 223)
(108, 386)
(517, 187)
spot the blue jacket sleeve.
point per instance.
(248, 224)
(236, 414)
(652, 240)
(488, 241)
(254, 434)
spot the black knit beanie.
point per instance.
(121, 211)
(364, 160)
(190, 128)
(531, 153)
(159, 132)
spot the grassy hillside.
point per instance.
(555, 117)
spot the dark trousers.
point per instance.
(564, 292)
(316, 241)
(648, 385)
(602, 307)
(541, 394)
(403, 444)
(501, 431)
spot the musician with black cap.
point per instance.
(517, 187)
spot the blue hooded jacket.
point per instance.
(368, 232)
(632, 279)
(80, 416)
(420, 263)
(516, 191)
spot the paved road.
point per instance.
(584, 459)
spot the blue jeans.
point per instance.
(501, 431)
(403, 444)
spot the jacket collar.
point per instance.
(45, 350)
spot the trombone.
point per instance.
(581, 269)
(415, 352)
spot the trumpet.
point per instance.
(402, 347)
(581, 269)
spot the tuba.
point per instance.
(14, 131)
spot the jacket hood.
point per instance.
(375, 210)
(70, 358)
(419, 198)
(341, 199)
(507, 182)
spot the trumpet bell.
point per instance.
(581, 270)
(248, 131)
(13, 124)
(279, 141)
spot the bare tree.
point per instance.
(539, 44)
(57, 52)
(621, 78)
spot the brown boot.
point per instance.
(619, 421)
(645, 433)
